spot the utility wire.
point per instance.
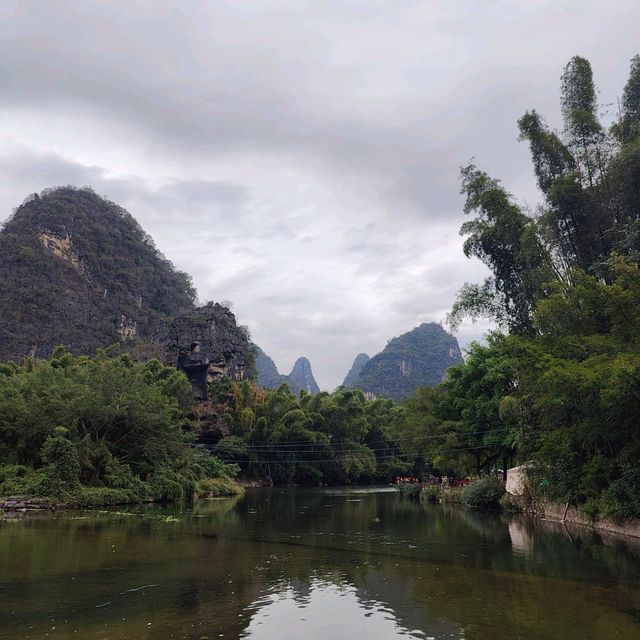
(390, 457)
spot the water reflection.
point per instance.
(332, 611)
(321, 564)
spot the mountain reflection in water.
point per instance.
(312, 564)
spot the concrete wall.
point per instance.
(517, 487)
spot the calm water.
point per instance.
(312, 564)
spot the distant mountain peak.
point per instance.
(418, 358)
(301, 376)
(360, 360)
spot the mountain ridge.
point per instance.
(300, 378)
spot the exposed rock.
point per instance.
(206, 343)
(62, 248)
(301, 377)
(128, 328)
(356, 368)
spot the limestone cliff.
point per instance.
(206, 343)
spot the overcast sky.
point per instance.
(298, 158)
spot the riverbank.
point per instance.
(24, 504)
(555, 512)
(95, 497)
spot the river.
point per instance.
(312, 564)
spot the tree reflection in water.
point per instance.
(322, 564)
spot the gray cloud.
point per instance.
(298, 157)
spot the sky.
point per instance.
(298, 158)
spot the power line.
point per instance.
(346, 446)
(390, 457)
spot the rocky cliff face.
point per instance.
(206, 343)
(301, 377)
(356, 368)
(415, 359)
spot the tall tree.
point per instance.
(507, 241)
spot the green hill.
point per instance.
(78, 270)
(418, 358)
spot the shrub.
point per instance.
(12, 471)
(484, 493)
(63, 463)
(120, 476)
(410, 491)
(508, 505)
(452, 496)
(166, 488)
(218, 487)
(211, 466)
(430, 494)
(15, 479)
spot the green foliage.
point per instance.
(410, 491)
(168, 486)
(508, 506)
(62, 462)
(101, 497)
(324, 438)
(464, 426)
(561, 392)
(507, 241)
(589, 180)
(125, 425)
(218, 488)
(483, 493)
(431, 494)
(76, 269)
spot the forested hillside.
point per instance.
(78, 270)
(360, 360)
(418, 358)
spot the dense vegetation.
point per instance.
(414, 359)
(100, 430)
(335, 438)
(561, 390)
(78, 270)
